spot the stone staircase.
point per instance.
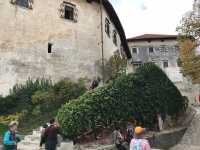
(31, 142)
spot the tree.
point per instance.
(189, 31)
(114, 67)
(190, 62)
(190, 23)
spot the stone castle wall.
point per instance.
(25, 34)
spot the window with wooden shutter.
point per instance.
(68, 11)
(62, 10)
(75, 14)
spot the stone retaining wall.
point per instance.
(167, 139)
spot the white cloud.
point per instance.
(151, 16)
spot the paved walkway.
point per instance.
(191, 139)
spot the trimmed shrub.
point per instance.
(141, 96)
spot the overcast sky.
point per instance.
(151, 16)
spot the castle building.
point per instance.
(56, 39)
(163, 50)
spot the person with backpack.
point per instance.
(118, 139)
(51, 135)
(42, 138)
(129, 133)
(10, 138)
(138, 142)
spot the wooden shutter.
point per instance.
(30, 4)
(62, 10)
(75, 14)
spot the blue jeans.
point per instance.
(50, 145)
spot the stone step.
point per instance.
(29, 147)
(66, 146)
(29, 143)
(31, 138)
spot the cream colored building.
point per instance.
(163, 50)
(56, 39)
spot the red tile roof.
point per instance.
(150, 37)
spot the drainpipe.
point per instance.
(102, 42)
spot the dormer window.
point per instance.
(107, 27)
(68, 11)
(23, 3)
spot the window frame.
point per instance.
(62, 10)
(136, 52)
(137, 63)
(151, 48)
(115, 37)
(165, 61)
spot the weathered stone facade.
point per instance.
(162, 50)
(37, 42)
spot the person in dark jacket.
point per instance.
(50, 135)
(10, 138)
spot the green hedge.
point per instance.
(141, 96)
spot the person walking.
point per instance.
(129, 133)
(138, 142)
(118, 139)
(50, 135)
(10, 138)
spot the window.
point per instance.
(68, 11)
(50, 47)
(23, 3)
(151, 50)
(137, 63)
(107, 27)
(165, 64)
(134, 50)
(115, 37)
(164, 50)
(162, 40)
